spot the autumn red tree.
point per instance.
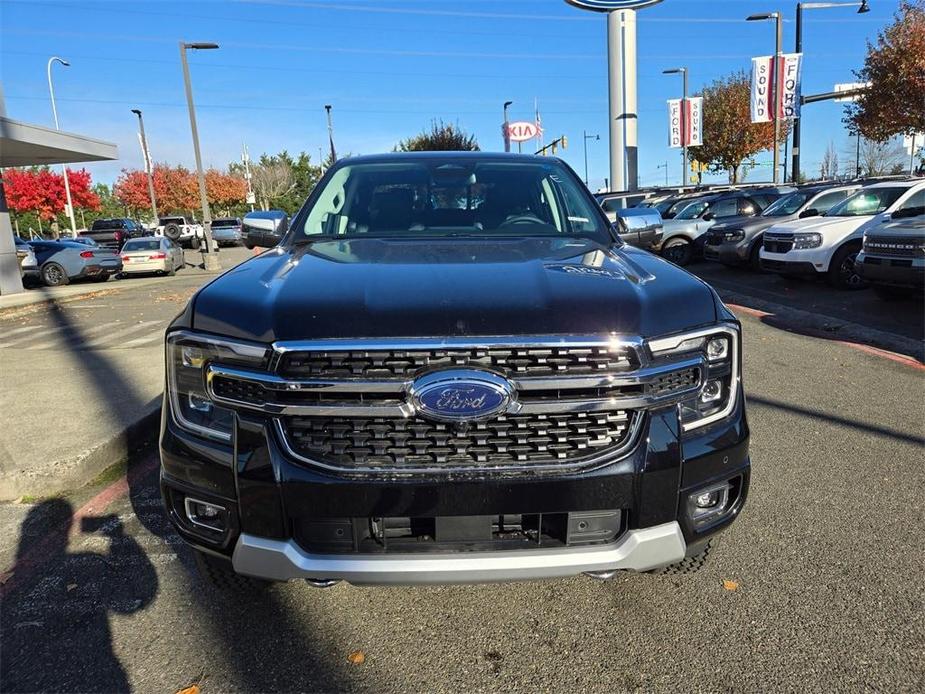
(224, 190)
(41, 190)
(177, 189)
(729, 136)
(895, 67)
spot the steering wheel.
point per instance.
(521, 219)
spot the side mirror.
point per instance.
(811, 212)
(708, 216)
(264, 229)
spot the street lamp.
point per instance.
(775, 87)
(683, 72)
(586, 138)
(862, 9)
(507, 134)
(147, 158)
(54, 111)
(209, 256)
(327, 108)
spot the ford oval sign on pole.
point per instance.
(621, 71)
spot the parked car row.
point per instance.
(849, 233)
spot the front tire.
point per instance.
(678, 250)
(53, 275)
(194, 243)
(754, 257)
(842, 274)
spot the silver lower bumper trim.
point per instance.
(281, 560)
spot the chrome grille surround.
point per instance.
(565, 388)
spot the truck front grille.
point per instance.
(778, 244)
(894, 246)
(415, 443)
(511, 361)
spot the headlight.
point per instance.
(188, 356)
(807, 239)
(734, 235)
(720, 348)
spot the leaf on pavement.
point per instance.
(192, 689)
(730, 585)
(357, 657)
(71, 586)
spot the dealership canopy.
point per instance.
(23, 144)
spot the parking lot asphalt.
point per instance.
(824, 579)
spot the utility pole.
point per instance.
(506, 126)
(146, 155)
(209, 256)
(327, 108)
(587, 137)
(54, 111)
(775, 83)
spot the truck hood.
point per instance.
(829, 227)
(435, 288)
(750, 223)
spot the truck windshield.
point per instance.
(453, 197)
(865, 202)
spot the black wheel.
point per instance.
(219, 574)
(842, 273)
(678, 250)
(172, 231)
(172, 271)
(53, 275)
(754, 256)
(249, 246)
(194, 243)
(688, 565)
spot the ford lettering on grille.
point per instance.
(461, 395)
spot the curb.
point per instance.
(50, 480)
(824, 327)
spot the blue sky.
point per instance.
(391, 66)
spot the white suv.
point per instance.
(178, 230)
(827, 246)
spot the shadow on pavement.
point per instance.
(839, 421)
(59, 636)
(56, 634)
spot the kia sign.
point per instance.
(763, 76)
(522, 130)
(611, 5)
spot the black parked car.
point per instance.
(451, 369)
(112, 233)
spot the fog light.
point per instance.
(708, 505)
(199, 403)
(712, 391)
(707, 499)
(717, 348)
(204, 514)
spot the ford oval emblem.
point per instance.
(461, 395)
(611, 5)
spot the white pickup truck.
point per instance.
(828, 246)
(180, 231)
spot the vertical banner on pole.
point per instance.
(675, 124)
(791, 68)
(761, 89)
(695, 121)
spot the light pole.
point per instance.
(209, 256)
(54, 111)
(147, 157)
(507, 134)
(586, 138)
(775, 83)
(683, 72)
(862, 8)
(327, 108)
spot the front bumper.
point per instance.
(269, 497)
(895, 272)
(728, 252)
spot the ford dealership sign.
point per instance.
(611, 5)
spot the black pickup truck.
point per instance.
(452, 370)
(113, 233)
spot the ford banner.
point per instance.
(789, 67)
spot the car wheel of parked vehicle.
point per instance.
(53, 275)
(219, 574)
(688, 565)
(172, 271)
(754, 256)
(194, 243)
(249, 246)
(172, 231)
(842, 273)
(678, 250)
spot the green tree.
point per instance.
(729, 136)
(441, 137)
(280, 181)
(895, 67)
